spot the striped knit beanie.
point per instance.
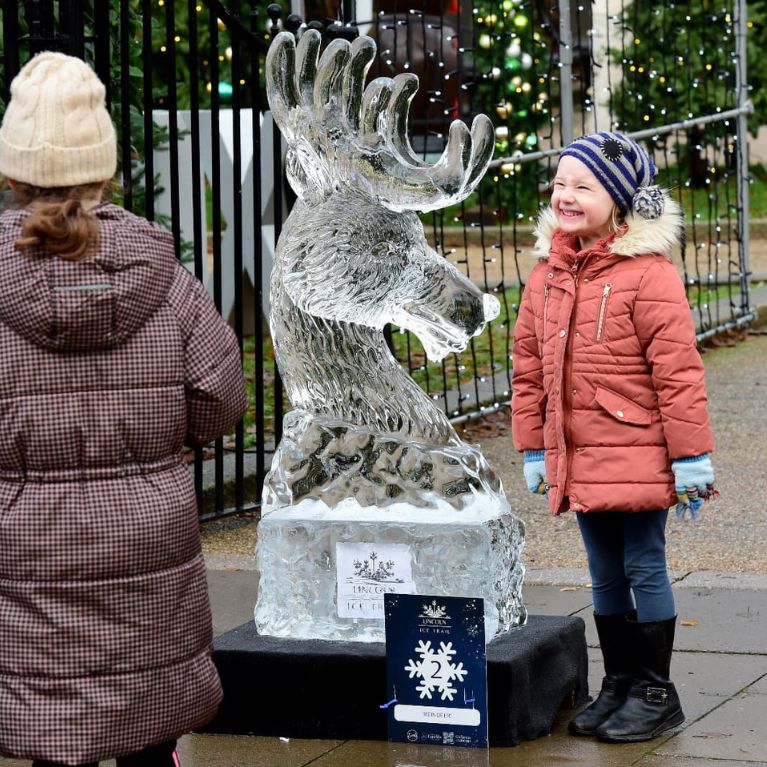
(625, 170)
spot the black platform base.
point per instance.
(314, 689)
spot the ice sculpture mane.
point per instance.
(353, 257)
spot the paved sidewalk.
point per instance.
(720, 668)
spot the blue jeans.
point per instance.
(627, 562)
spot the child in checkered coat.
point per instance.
(112, 358)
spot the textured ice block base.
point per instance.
(474, 552)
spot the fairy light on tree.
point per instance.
(510, 64)
(200, 58)
(677, 62)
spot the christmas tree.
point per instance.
(679, 62)
(511, 65)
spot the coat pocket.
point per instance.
(623, 409)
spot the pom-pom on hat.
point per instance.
(57, 131)
(624, 168)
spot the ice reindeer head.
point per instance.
(353, 257)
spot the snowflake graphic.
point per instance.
(436, 670)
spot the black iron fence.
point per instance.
(199, 152)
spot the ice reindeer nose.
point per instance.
(490, 310)
(490, 306)
(468, 312)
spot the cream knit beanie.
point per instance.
(56, 131)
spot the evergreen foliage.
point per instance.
(511, 62)
(678, 61)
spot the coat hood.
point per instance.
(85, 305)
(659, 235)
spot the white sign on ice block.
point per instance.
(470, 717)
(367, 571)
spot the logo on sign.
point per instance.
(434, 619)
(374, 570)
(438, 683)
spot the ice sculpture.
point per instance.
(365, 456)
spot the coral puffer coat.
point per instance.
(107, 367)
(607, 376)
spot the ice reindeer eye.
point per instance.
(382, 250)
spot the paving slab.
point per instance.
(736, 730)
(712, 580)
(560, 748)
(728, 620)
(718, 620)
(557, 600)
(243, 751)
(580, 576)
(544, 752)
(684, 761)
(370, 753)
(716, 675)
(232, 597)
(557, 576)
(759, 687)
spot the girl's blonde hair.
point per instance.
(617, 219)
(59, 223)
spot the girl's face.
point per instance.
(583, 207)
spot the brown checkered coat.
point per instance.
(107, 367)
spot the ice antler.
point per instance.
(341, 133)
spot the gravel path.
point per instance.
(730, 534)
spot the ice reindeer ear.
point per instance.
(343, 134)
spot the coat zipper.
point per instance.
(545, 309)
(567, 404)
(603, 310)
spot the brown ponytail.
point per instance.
(59, 223)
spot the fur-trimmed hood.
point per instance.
(659, 235)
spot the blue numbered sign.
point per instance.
(436, 670)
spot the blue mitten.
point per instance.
(535, 471)
(694, 481)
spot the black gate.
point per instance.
(199, 154)
(176, 148)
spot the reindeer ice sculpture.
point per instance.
(365, 454)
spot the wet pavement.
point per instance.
(719, 666)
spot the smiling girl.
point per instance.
(609, 407)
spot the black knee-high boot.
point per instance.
(652, 706)
(614, 642)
